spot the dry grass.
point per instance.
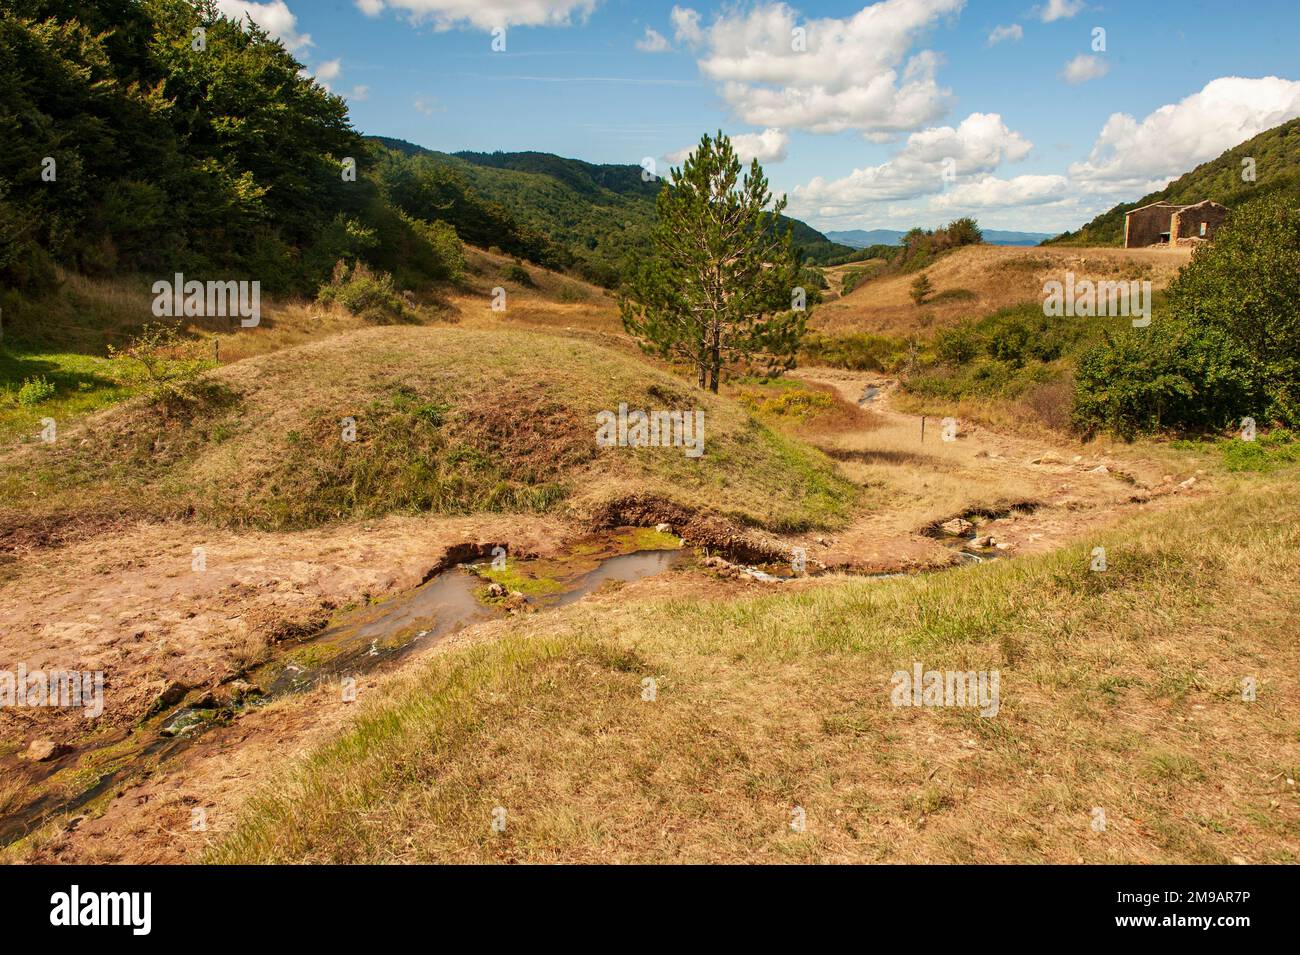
(448, 420)
(1120, 690)
(996, 277)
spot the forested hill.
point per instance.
(598, 213)
(1276, 155)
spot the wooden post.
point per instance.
(923, 429)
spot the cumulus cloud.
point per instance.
(1136, 156)
(1128, 159)
(652, 42)
(769, 146)
(1083, 68)
(990, 192)
(329, 70)
(1015, 32)
(359, 94)
(275, 18)
(484, 14)
(857, 73)
(686, 26)
(1059, 10)
(977, 146)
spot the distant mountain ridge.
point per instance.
(1274, 157)
(600, 212)
(864, 238)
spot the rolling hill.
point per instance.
(598, 212)
(1276, 155)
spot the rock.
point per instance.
(1100, 469)
(1188, 483)
(44, 750)
(1051, 457)
(956, 527)
(182, 721)
(1076, 459)
(1004, 545)
(497, 591)
(664, 528)
(985, 541)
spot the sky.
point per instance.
(886, 115)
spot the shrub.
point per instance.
(370, 295)
(1171, 376)
(921, 289)
(166, 366)
(519, 274)
(34, 391)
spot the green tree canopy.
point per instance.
(719, 286)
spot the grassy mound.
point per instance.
(446, 420)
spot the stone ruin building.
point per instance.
(1168, 223)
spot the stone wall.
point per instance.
(1142, 227)
(1186, 224)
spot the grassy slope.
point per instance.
(448, 420)
(1277, 168)
(1120, 690)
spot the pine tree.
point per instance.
(720, 286)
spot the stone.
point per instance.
(664, 528)
(497, 591)
(956, 527)
(44, 750)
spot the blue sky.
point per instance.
(881, 115)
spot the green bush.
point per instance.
(370, 295)
(166, 366)
(519, 274)
(1170, 376)
(34, 391)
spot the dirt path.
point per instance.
(915, 480)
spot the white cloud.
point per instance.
(1083, 68)
(1131, 156)
(854, 73)
(428, 105)
(769, 146)
(1015, 32)
(686, 26)
(979, 144)
(652, 42)
(329, 70)
(484, 14)
(1059, 10)
(990, 192)
(275, 18)
(1129, 159)
(359, 94)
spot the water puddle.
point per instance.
(369, 637)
